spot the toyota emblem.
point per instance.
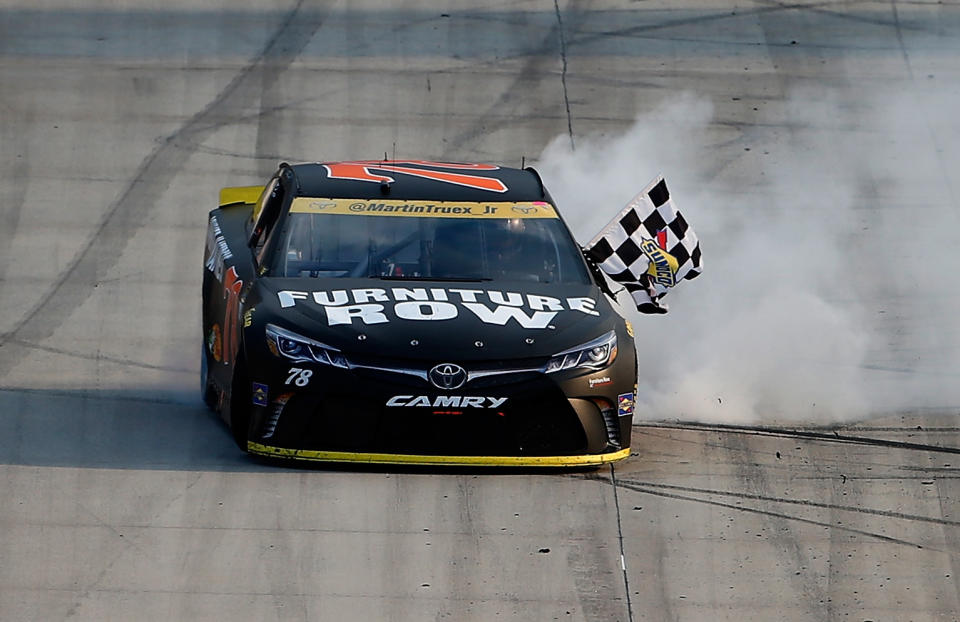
(447, 376)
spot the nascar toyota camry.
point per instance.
(411, 312)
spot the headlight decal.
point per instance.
(295, 347)
(595, 354)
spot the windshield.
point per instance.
(450, 247)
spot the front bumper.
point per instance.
(432, 460)
(374, 414)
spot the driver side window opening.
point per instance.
(270, 203)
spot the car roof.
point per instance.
(418, 179)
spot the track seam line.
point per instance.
(563, 72)
(623, 559)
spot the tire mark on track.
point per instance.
(296, 34)
(157, 171)
(951, 536)
(803, 502)
(12, 193)
(777, 515)
(102, 395)
(834, 437)
(92, 587)
(767, 7)
(782, 534)
(99, 357)
(530, 75)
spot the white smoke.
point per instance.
(831, 263)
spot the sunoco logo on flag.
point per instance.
(648, 247)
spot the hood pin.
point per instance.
(414, 342)
(529, 341)
(479, 344)
(361, 337)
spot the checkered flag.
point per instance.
(648, 247)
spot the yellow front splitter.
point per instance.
(429, 460)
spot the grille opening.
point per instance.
(529, 427)
(611, 421)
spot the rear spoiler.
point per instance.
(241, 194)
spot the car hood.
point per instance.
(437, 321)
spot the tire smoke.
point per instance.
(831, 265)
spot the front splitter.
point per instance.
(430, 460)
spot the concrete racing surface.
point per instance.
(122, 498)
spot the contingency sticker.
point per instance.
(259, 394)
(625, 404)
(423, 209)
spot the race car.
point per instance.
(411, 312)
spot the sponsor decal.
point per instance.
(663, 265)
(599, 382)
(423, 209)
(625, 404)
(437, 171)
(446, 401)
(232, 284)
(217, 254)
(217, 250)
(376, 305)
(629, 327)
(260, 393)
(215, 343)
(247, 318)
(662, 239)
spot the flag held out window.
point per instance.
(648, 247)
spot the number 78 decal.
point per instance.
(361, 171)
(299, 376)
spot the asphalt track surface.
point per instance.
(122, 498)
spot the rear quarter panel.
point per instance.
(227, 272)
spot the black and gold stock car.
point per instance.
(411, 312)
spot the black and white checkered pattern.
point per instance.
(619, 249)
